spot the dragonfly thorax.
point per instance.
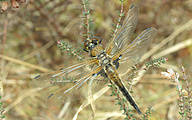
(96, 51)
(104, 59)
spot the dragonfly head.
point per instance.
(91, 43)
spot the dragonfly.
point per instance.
(119, 54)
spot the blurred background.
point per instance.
(28, 40)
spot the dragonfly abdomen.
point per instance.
(129, 98)
(113, 75)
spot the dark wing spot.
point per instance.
(131, 7)
(50, 96)
(94, 74)
(37, 76)
(61, 69)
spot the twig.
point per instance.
(4, 35)
(86, 16)
(168, 39)
(119, 19)
(24, 63)
(174, 48)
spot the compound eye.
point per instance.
(86, 45)
(95, 41)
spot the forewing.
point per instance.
(71, 73)
(61, 83)
(133, 52)
(125, 32)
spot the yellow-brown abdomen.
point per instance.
(113, 75)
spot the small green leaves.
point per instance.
(114, 26)
(112, 30)
(120, 14)
(147, 113)
(118, 21)
(121, 0)
(64, 47)
(84, 2)
(90, 20)
(1, 110)
(84, 25)
(86, 13)
(155, 62)
(87, 21)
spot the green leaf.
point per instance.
(118, 13)
(114, 25)
(90, 20)
(84, 25)
(112, 30)
(88, 12)
(86, 2)
(85, 35)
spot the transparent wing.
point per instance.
(125, 32)
(75, 91)
(75, 71)
(133, 52)
(66, 84)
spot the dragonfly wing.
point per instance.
(131, 54)
(65, 80)
(125, 32)
(74, 91)
(69, 73)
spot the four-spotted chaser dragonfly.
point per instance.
(107, 63)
